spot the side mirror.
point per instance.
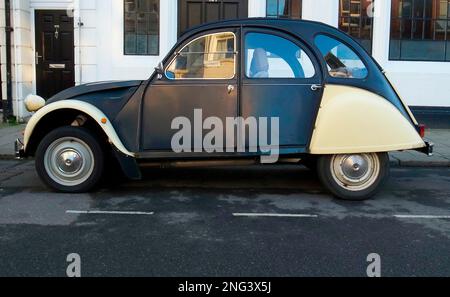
(160, 70)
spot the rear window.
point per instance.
(342, 62)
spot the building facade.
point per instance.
(56, 44)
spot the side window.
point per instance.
(341, 60)
(270, 56)
(208, 57)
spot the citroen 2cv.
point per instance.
(335, 109)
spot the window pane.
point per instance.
(291, 9)
(356, 19)
(141, 27)
(272, 8)
(341, 60)
(419, 30)
(209, 57)
(270, 56)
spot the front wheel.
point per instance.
(354, 177)
(70, 160)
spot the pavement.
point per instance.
(441, 157)
(8, 135)
(255, 221)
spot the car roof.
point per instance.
(302, 27)
(307, 31)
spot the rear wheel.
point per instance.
(70, 160)
(354, 176)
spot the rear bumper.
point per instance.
(428, 149)
(19, 149)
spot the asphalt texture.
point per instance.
(194, 222)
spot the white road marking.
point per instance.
(275, 215)
(420, 217)
(138, 213)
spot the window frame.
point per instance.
(157, 53)
(300, 46)
(361, 23)
(289, 16)
(423, 20)
(353, 49)
(190, 41)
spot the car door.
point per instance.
(281, 79)
(200, 78)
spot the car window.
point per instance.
(341, 60)
(209, 57)
(270, 56)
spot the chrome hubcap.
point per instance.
(355, 167)
(69, 161)
(355, 172)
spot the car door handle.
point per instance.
(230, 89)
(316, 87)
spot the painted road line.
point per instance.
(98, 212)
(274, 215)
(421, 217)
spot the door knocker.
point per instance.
(56, 31)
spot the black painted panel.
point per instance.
(294, 105)
(163, 103)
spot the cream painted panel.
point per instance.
(353, 120)
(403, 102)
(87, 108)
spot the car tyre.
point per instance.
(70, 160)
(354, 177)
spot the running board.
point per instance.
(212, 163)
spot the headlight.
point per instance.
(34, 103)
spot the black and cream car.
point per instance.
(337, 111)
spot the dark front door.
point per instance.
(200, 82)
(54, 52)
(197, 12)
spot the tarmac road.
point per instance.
(243, 221)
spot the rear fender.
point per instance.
(353, 120)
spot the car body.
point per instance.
(337, 110)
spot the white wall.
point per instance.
(325, 11)
(111, 61)
(419, 83)
(99, 47)
(21, 54)
(86, 41)
(113, 64)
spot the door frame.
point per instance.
(50, 6)
(179, 14)
(319, 75)
(154, 81)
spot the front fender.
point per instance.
(81, 106)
